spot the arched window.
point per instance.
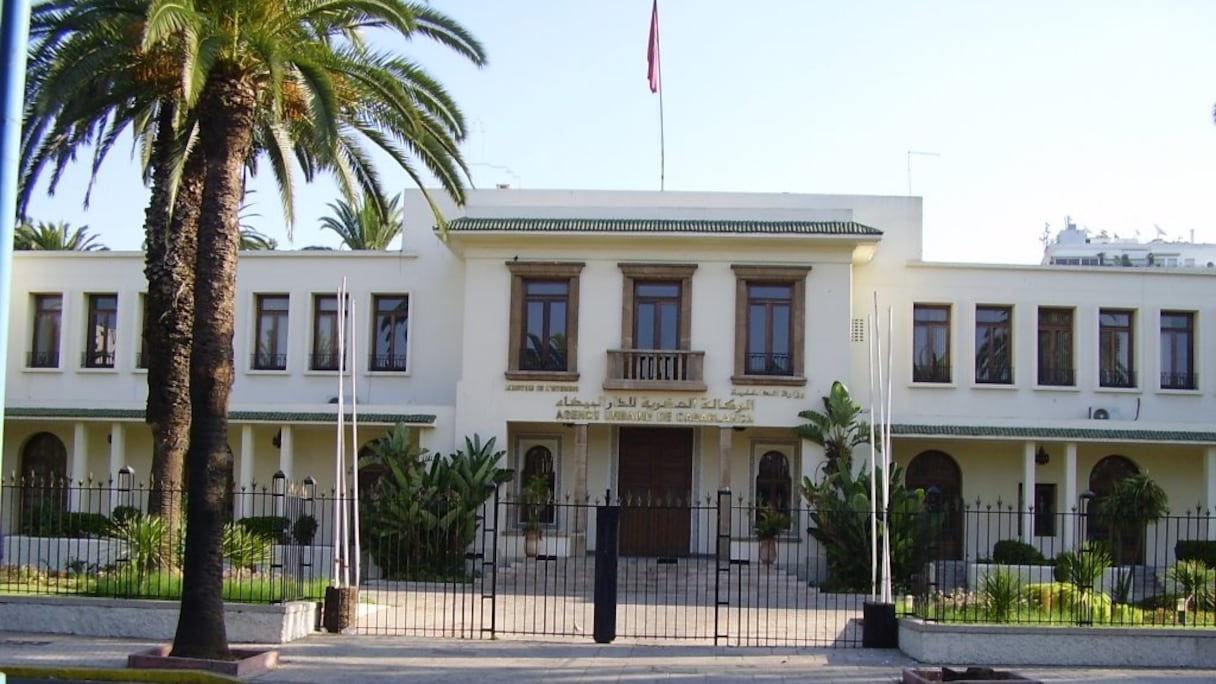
(773, 482)
(538, 463)
(43, 478)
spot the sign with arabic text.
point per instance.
(656, 410)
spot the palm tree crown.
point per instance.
(364, 225)
(55, 237)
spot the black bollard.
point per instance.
(607, 525)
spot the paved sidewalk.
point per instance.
(359, 660)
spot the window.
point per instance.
(389, 332)
(1056, 348)
(1115, 358)
(1178, 350)
(543, 335)
(101, 331)
(544, 343)
(44, 346)
(272, 318)
(324, 333)
(930, 343)
(770, 315)
(656, 330)
(773, 482)
(538, 463)
(656, 323)
(1043, 509)
(141, 359)
(994, 345)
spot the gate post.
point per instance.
(607, 526)
(722, 562)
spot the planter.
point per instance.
(968, 676)
(244, 663)
(341, 608)
(880, 629)
(532, 543)
(767, 551)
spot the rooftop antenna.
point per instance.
(922, 154)
(1045, 238)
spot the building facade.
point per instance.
(658, 347)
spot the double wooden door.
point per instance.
(654, 479)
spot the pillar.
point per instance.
(286, 451)
(244, 478)
(1070, 510)
(78, 465)
(725, 439)
(118, 454)
(578, 540)
(1027, 491)
(1209, 488)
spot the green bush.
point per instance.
(151, 544)
(51, 520)
(1083, 568)
(304, 529)
(1001, 593)
(1196, 582)
(1014, 552)
(244, 548)
(121, 514)
(1202, 551)
(273, 527)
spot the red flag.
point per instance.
(653, 71)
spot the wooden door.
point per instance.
(654, 480)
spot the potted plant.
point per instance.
(770, 522)
(534, 496)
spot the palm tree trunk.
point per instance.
(227, 108)
(172, 242)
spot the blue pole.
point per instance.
(14, 37)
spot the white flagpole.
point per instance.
(888, 591)
(339, 459)
(354, 438)
(874, 406)
(342, 517)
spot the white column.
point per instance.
(725, 442)
(78, 466)
(118, 449)
(1209, 487)
(286, 451)
(244, 482)
(1027, 491)
(1070, 515)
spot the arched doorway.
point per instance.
(1105, 475)
(941, 478)
(43, 477)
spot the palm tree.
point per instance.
(255, 56)
(44, 236)
(837, 429)
(252, 240)
(364, 225)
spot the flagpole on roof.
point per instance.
(654, 73)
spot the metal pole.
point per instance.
(14, 36)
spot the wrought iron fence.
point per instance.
(1080, 567)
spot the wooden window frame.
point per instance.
(993, 329)
(633, 273)
(1060, 367)
(932, 379)
(314, 355)
(795, 276)
(1105, 334)
(260, 311)
(42, 317)
(1171, 378)
(522, 271)
(374, 362)
(93, 318)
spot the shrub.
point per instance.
(245, 548)
(1014, 552)
(1196, 581)
(272, 527)
(151, 543)
(1000, 593)
(121, 514)
(1203, 551)
(1082, 568)
(51, 520)
(304, 529)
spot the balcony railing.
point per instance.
(1057, 377)
(655, 369)
(770, 364)
(1179, 381)
(938, 372)
(533, 359)
(323, 362)
(97, 359)
(263, 361)
(1000, 375)
(42, 360)
(389, 363)
(1116, 377)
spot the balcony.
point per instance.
(43, 359)
(1179, 381)
(386, 363)
(655, 369)
(1116, 377)
(770, 364)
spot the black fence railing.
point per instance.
(931, 373)
(268, 361)
(1073, 568)
(387, 363)
(770, 364)
(1057, 377)
(1179, 381)
(1116, 377)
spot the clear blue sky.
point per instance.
(1098, 109)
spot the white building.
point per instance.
(658, 345)
(1075, 246)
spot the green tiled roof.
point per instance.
(659, 226)
(1060, 433)
(236, 416)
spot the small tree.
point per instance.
(1135, 501)
(837, 429)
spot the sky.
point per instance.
(1018, 113)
